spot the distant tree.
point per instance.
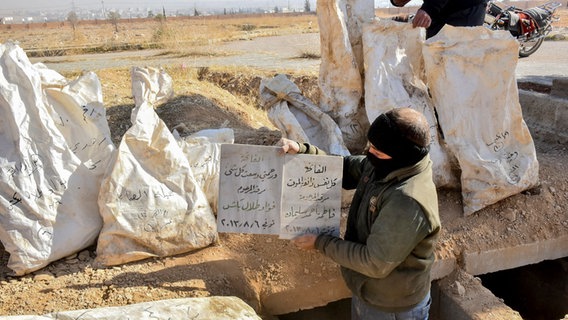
(150, 14)
(73, 19)
(276, 10)
(160, 18)
(307, 6)
(113, 17)
(196, 13)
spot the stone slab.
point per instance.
(546, 115)
(560, 88)
(498, 259)
(323, 292)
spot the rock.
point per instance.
(73, 256)
(44, 276)
(459, 289)
(84, 255)
(509, 214)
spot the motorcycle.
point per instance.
(529, 26)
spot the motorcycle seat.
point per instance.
(539, 15)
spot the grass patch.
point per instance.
(309, 55)
(179, 54)
(247, 27)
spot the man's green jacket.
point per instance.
(392, 228)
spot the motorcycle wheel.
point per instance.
(529, 47)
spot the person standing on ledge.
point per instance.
(388, 247)
(434, 14)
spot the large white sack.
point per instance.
(55, 146)
(341, 68)
(203, 151)
(471, 76)
(298, 118)
(150, 202)
(394, 78)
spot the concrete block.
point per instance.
(561, 123)
(537, 109)
(559, 88)
(498, 259)
(303, 298)
(460, 296)
(443, 267)
(545, 114)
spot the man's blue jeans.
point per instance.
(362, 311)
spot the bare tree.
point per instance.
(307, 6)
(160, 18)
(73, 19)
(113, 17)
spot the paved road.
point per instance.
(549, 62)
(281, 53)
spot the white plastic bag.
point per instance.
(150, 201)
(471, 75)
(298, 118)
(55, 148)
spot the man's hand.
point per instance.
(289, 146)
(305, 242)
(421, 19)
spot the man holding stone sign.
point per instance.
(393, 224)
(263, 192)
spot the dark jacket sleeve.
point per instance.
(306, 148)
(352, 171)
(434, 7)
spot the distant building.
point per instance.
(6, 20)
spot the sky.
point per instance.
(9, 6)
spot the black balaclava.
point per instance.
(386, 137)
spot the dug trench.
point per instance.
(281, 282)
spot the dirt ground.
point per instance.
(248, 266)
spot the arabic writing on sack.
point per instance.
(50, 192)
(150, 219)
(510, 160)
(264, 192)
